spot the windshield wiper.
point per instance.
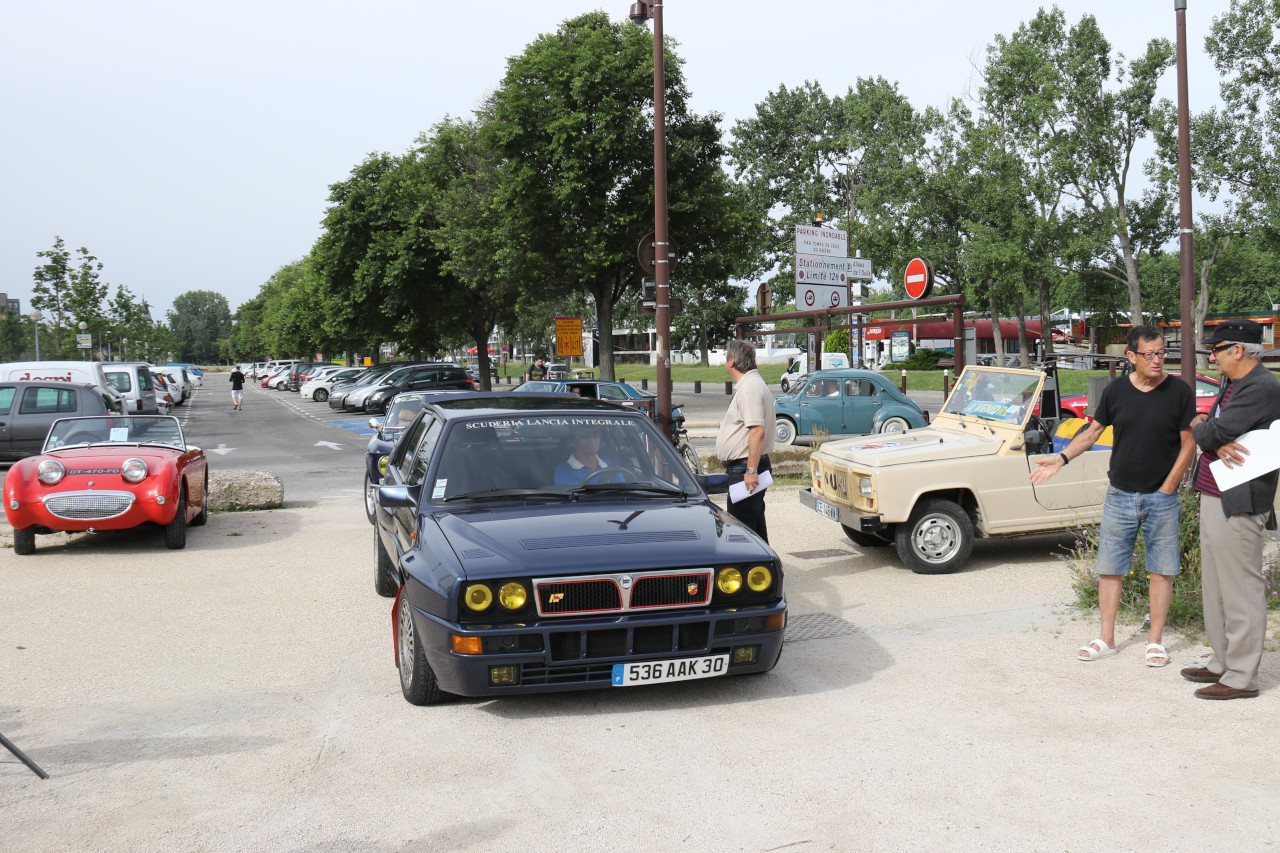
(487, 494)
(656, 488)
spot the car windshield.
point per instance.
(132, 429)
(993, 394)
(565, 456)
(403, 409)
(538, 387)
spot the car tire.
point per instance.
(370, 502)
(175, 532)
(320, 395)
(893, 426)
(24, 541)
(384, 580)
(865, 540)
(202, 517)
(937, 539)
(785, 431)
(786, 388)
(417, 680)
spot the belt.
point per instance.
(741, 464)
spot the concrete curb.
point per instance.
(244, 490)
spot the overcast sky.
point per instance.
(191, 146)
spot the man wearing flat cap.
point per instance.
(1232, 522)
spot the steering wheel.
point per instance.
(611, 472)
(1036, 423)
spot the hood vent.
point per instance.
(609, 539)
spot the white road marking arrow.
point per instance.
(222, 450)
(329, 444)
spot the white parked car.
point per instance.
(318, 389)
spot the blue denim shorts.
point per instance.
(1125, 513)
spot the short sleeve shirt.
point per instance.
(752, 405)
(1146, 427)
(537, 373)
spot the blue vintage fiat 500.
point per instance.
(542, 544)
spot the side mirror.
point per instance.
(376, 423)
(391, 497)
(714, 484)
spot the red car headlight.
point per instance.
(50, 472)
(134, 470)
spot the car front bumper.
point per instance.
(138, 509)
(861, 521)
(580, 654)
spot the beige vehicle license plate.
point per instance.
(824, 508)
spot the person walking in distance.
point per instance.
(1150, 414)
(237, 389)
(1233, 521)
(747, 434)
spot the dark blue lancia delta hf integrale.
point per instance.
(540, 544)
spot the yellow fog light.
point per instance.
(744, 655)
(466, 645)
(478, 597)
(382, 465)
(502, 675)
(729, 580)
(759, 579)
(513, 596)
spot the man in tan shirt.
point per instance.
(747, 434)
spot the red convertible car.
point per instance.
(108, 473)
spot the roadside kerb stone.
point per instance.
(244, 490)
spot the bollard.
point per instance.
(697, 386)
(644, 384)
(728, 388)
(904, 380)
(946, 382)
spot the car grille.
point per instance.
(88, 505)
(620, 593)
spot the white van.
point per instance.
(78, 372)
(133, 380)
(795, 374)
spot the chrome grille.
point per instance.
(88, 505)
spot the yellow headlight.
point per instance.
(478, 597)
(759, 579)
(729, 580)
(382, 465)
(513, 596)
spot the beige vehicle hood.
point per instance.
(913, 446)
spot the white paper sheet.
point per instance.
(738, 491)
(1264, 456)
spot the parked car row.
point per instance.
(367, 389)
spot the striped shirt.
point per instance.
(1205, 482)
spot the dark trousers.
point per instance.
(750, 511)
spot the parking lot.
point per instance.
(241, 695)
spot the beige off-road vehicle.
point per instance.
(930, 491)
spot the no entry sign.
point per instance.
(919, 278)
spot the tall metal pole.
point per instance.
(1185, 244)
(661, 266)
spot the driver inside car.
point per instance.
(584, 459)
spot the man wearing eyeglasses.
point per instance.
(1232, 522)
(1150, 414)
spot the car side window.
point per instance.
(813, 389)
(851, 388)
(421, 459)
(44, 401)
(867, 388)
(119, 381)
(610, 392)
(6, 399)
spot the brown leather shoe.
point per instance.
(1199, 674)
(1222, 691)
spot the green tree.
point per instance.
(199, 319)
(68, 293)
(572, 123)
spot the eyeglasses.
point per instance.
(1221, 347)
(1151, 356)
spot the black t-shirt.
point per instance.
(537, 371)
(237, 380)
(1146, 427)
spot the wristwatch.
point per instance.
(751, 470)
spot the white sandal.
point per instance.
(1155, 650)
(1090, 653)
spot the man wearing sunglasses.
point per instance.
(1150, 414)
(1232, 522)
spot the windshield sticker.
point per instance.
(879, 445)
(988, 409)
(119, 434)
(438, 492)
(549, 422)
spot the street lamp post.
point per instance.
(82, 326)
(36, 317)
(1186, 245)
(642, 11)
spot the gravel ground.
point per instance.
(240, 695)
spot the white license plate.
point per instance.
(659, 671)
(823, 508)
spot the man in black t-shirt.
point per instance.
(237, 389)
(537, 371)
(1150, 415)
